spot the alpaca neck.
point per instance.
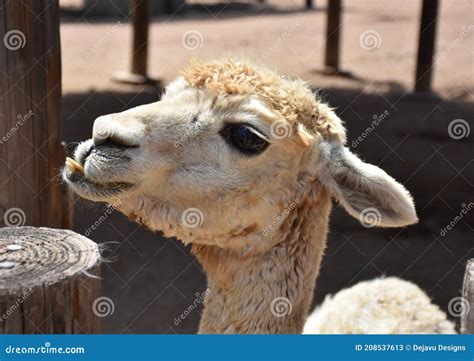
(268, 292)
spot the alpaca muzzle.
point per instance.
(118, 130)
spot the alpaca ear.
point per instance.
(364, 190)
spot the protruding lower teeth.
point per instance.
(74, 166)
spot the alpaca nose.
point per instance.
(109, 129)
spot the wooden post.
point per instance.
(426, 46)
(30, 113)
(49, 281)
(467, 314)
(140, 36)
(333, 24)
(140, 19)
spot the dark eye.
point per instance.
(244, 138)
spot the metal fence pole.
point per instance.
(140, 11)
(426, 46)
(331, 60)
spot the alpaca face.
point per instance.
(198, 165)
(216, 167)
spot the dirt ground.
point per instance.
(153, 280)
(283, 36)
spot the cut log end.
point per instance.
(49, 280)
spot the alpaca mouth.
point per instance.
(89, 189)
(75, 174)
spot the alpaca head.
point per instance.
(226, 150)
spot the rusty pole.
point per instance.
(140, 11)
(333, 24)
(140, 37)
(426, 46)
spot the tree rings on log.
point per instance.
(49, 280)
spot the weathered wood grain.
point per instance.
(30, 112)
(49, 279)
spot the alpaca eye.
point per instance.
(244, 138)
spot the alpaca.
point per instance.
(243, 164)
(381, 306)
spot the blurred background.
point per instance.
(423, 138)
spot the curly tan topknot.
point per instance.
(290, 97)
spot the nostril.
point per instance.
(115, 142)
(109, 148)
